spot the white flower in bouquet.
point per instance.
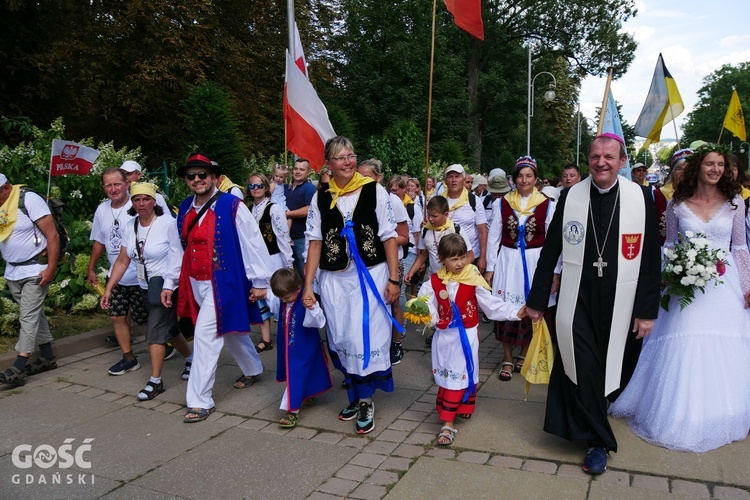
(690, 265)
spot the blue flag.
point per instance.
(613, 125)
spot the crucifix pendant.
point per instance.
(599, 264)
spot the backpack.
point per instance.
(55, 207)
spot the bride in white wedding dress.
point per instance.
(691, 388)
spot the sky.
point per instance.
(695, 38)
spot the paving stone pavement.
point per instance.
(79, 433)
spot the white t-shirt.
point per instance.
(430, 243)
(110, 233)
(415, 226)
(469, 219)
(22, 244)
(109, 229)
(160, 247)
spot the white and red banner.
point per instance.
(71, 158)
(307, 124)
(298, 53)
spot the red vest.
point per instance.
(200, 245)
(661, 211)
(535, 225)
(466, 300)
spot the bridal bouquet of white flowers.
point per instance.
(690, 265)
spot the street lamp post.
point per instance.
(549, 95)
(745, 148)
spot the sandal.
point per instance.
(506, 375)
(465, 416)
(519, 364)
(13, 377)
(40, 365)
(309, 401)
(447, 433)
(199, 414)
(244, 382)
(289, 421)
(266, 346)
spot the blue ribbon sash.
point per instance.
(457, 322)
(365, 280)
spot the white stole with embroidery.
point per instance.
(632, 223)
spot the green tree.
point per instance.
(706, 119)
(212, 128)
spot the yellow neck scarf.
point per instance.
(463, 199)
(448, 224)
(9, 212)
(429, 192)
(355, 183)
(407, 200)
(514, 200)
(667, 190)
(745, 193)
(469, 275)
(227, 184)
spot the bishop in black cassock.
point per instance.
(579, 411)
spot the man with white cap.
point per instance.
(463, 211)
(30, 246)
(107, 232)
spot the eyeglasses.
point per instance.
(192, 175)
(255, 186)
(350, 157)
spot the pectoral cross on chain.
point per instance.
(599, 264)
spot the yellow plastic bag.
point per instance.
(538, 363)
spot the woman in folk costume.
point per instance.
(272, 222)
(456, 294)
(516, 236)
(667, 401)
(663, 195)
(352, 235)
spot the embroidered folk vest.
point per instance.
(466, 300)
(334, 255)
(535, 225)
(266, 229)
(200, 245)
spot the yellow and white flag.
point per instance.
(735, 120)
(663, 104)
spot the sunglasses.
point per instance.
(192, 175)
(255, 186)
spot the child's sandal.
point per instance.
(447, 433)
(505, 375)
(519, 363)
(289, 421)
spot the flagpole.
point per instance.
(429, 101)
(722, 131)
(674, 123)
(290, 44)
(49, 174)
(605, 99)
